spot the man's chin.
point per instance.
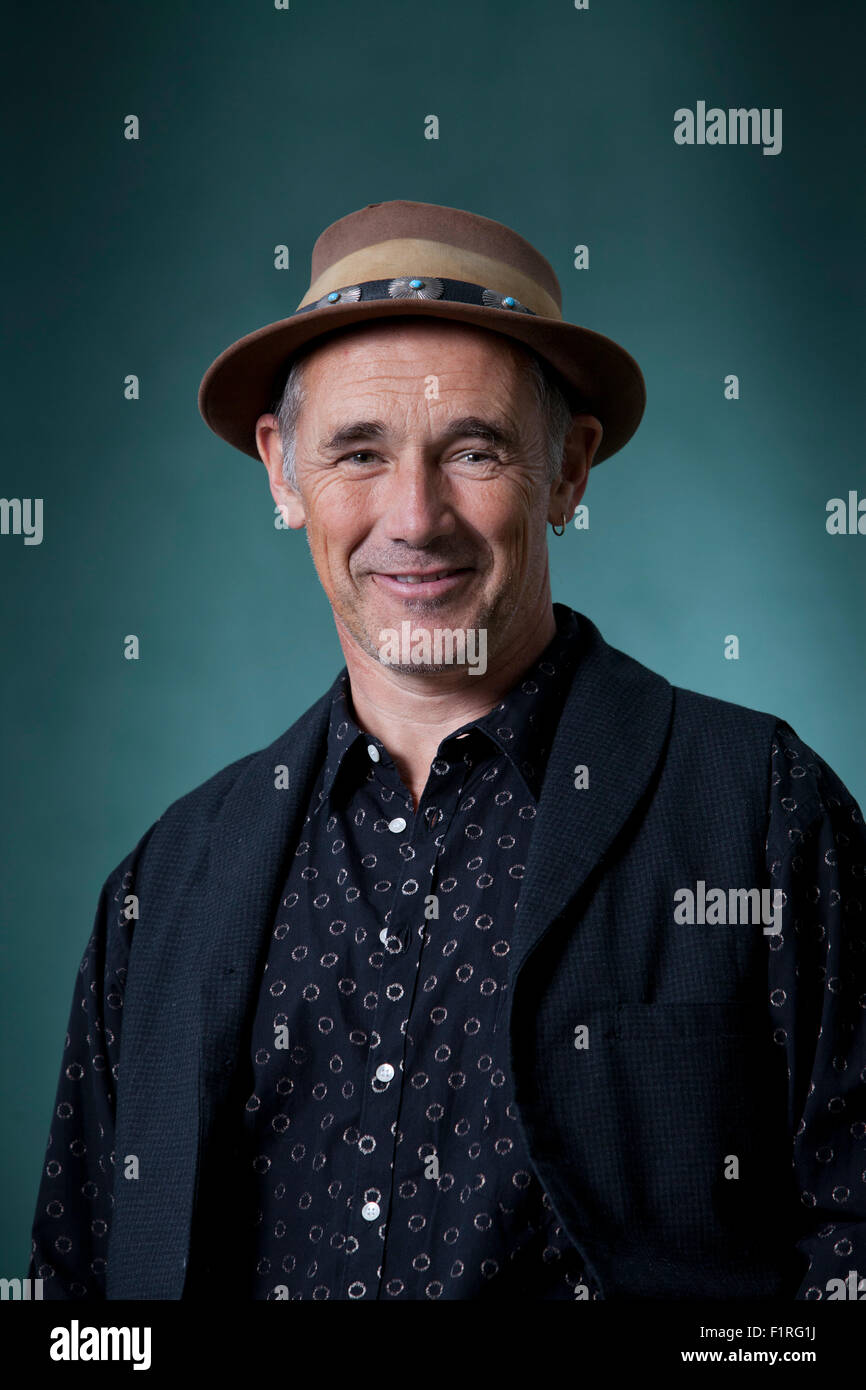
(420, 669)
(424, 646)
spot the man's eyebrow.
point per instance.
(496, 432)
(351, 433)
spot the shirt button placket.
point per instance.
(382, 1101)
(432, 819)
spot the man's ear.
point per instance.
(578, 452)
(287, 498)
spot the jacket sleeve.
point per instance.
(75, 1199)
(816, 850)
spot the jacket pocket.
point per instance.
(676, 1163)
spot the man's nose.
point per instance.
(417, 506)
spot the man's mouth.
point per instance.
(429, 583)
(422, 576)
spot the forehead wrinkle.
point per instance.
(399, 358)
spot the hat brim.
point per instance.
(239, 386)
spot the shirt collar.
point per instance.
(522, 725)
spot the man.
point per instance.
(509, 970)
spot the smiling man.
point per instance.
(428, 506)
(405, 1006)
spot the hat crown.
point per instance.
(375, 241)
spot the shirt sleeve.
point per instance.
(816, 854)
(75, 1199)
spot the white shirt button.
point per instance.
(385, 1072)
(370, 1210)
(397, 824)
(383, 936)
(373, 751)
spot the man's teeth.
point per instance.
(420, 578)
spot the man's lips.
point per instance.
(429, 583)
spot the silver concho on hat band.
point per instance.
(415, 287)
(346, 295)
(503, 301)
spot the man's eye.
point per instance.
(363, 456)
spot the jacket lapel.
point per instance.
(614, 723)
(254, 836)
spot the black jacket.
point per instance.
(684, 1144)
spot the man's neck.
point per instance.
(412, 713)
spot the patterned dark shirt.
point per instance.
(393, 1015)
(389, 1158)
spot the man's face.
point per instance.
(422, 480)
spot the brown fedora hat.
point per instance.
(392, 259)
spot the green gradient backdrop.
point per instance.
(260, 127)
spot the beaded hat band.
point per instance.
(390, 260)
(454, 263)
(417, 287)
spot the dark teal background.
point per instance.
(260, 127)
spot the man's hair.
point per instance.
(556, 412)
